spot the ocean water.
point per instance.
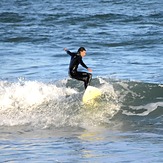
(42, 117)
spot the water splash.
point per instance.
(45, 105)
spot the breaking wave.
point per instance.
(59, 104)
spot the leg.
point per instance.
(83, 76)
(89, 78)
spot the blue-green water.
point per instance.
(42, 117)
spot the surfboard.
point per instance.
(91, 94)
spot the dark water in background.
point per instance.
(123, 38)
(42, 118)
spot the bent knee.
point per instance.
(90, 75)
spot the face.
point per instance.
(83, 53)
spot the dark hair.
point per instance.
(81, 49)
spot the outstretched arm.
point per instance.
(68, 52)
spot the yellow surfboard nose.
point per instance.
(90, 94)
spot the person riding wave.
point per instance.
(76, 59)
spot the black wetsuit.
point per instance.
(76, 59)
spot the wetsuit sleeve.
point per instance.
(71, 54)
(82, 63)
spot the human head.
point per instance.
(82, 51)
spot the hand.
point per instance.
(65, 49)
(89, 69)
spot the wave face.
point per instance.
(44, 105)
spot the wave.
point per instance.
(59, 104)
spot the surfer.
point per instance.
(76, 59)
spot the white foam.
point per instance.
(31, 93)
(148, 108)
(44, 105)
(26, 103)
